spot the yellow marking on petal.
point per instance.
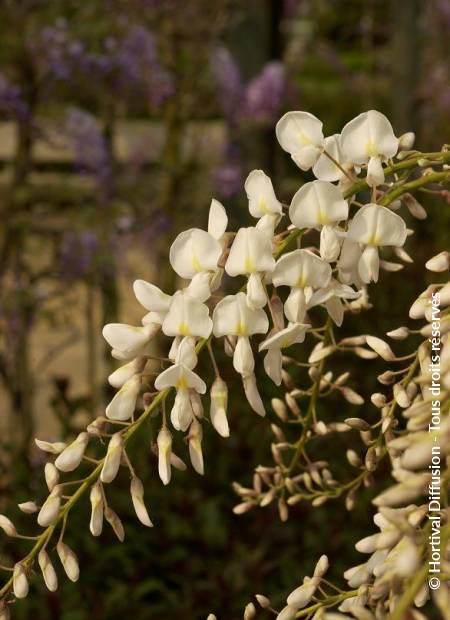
(196, 264)
(263, 206)
(181, 384)
(301, 282)
(323, 218)
(374, 240)
(183, 329)
(249, 265)
(241, 330)
(371, 149)
(304, 139)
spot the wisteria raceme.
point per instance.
(293, 275)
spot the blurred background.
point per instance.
(119, 121)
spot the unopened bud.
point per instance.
(50, 509)
(137, 497)
(381, 347)
(71, 457)
(52, 448)
(398, 334)
(51, 476)
(28, 508)
(164, 442)
(249, 612)
(219, 405)
(439, 263)
(68, 560)
(96, 499)
(358, 423)
(280, 409)
(263, 601)
(114, 520)
(406, 141)
(414, 207)
(7, 526)
(20, 581)
(112, 459)
(48, 571)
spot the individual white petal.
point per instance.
(187, 316)
(301, 268)
(325, 169)
(256, 294)
(219, 403)
(153, 318)
(233, 317)
(330, 244)
(137, 497)
(294, 333)
(267, 225)
(243, 360)
(181, 415)
(300, 134)
(180, 377)
(375, 172)
(127, 339)
(252, 394)
(348, 261)
(123, 404)
(376, 225)
(295, 305)
(200, 287)
(186, 353)
(193, 251)
(335, 309)
(251, 252)
(195, 447)
(261, 196)
(217, 219)
(273, 365)
(368, 135)
(150, 296)
(317, 203)
(369, 265)
(164, 442)
(216, 279)
(173, 351)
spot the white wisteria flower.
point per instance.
(251, 255)
(325, 169)
(331, 297)
(294, 333)
(234, 317)
(300, 134)
(183, 380)
(369, 139)
(374, 226)
(302, 271)
(187, 316)
(262, 202)
(319, 204)
(153, 299)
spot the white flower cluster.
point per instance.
(277, 292)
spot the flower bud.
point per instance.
(51, 476)
(71, 457)
(249, 612)
(358, 424)
(439, 263)
(50, 509)
(219, 404)
(414, 207)
(115, 522)
(351, 396)
(321, 567)
(252, 394)
(263, 601)
(164, 442)
(280, 409)
(301, 596)
(68, 560)
(96, 499)
(398, 334)
(378, 399)
(287, 613)
(28, 508)
(20, 581)
(48, 571)
(406, 141)
(7, 526)
(52, 448)
(112, 459)
(195, 446)
(381, 347)
(137, 497)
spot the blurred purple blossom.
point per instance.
(11, 101)
(258, 101)
(77, 254)
(264, 94)
(91, 151)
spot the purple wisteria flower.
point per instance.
(264, 94)
(77, 253)
(12, 104)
